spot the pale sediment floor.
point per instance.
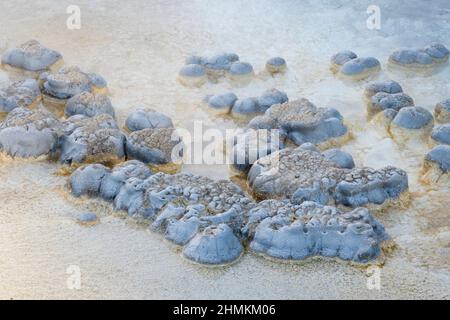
(139, 47)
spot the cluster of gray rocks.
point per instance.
(199, 69)
(313, 200)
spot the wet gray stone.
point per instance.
(388, 86)
(307, 175)
(302, 122)
(341, 158)
(441, 156)
(152, 145)
(246, 108)
(310, 229)
(29, 133)
(89, 104)
(87, 180)
(31, 56)
(413, 118)
(95, 139)
(215, 245)
(382, 101)
(340, 58)
(146, 118)
(441, 134)
(271, 97)
(360, 68)
(222, 103)
(21, 93)
(112, 183)
(70, 81)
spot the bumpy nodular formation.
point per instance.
(91, 139)
(32, 57)
(276, 65)
(301, 121)
(283, 230)
(29, 133)
(70, 81)
(23, 93)
(411, 124)
(89, 104)
(198, 70)
(147, 118)
(436, 166)
(307, 175)
(420, 59)
(246, 108)
(385, 95)
(440, 134)
(348, 66)
(214, 221)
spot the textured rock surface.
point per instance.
(70, 81)
(31, 56)
(297, 232)
(411, 124)
(89, 104)
(388, 86)
(382, 101)
(301, 122)
(307, 175)
(359, 68)
(29, 133)
(427, 57)
(213, 220)
(152, 145)
(95, 139)
(442, 111)
(144, 118)
(222, 103)
(23, 93)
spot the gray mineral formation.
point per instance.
(89, 104)
(23, 93)
(29, 133)
(301, 121)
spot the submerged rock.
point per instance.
(297, 232)
(307, 175)
(87, 218)
(32, 56)
(442, 111)
(246, 108)
(301, 122)
(436, 165)
(276, 65)
(70, 81)
(411, 124)
(153, 145)
(23, 93)
(95, 139)
(89, 104)
(146, 118)
(29, 133)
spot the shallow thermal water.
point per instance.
(139, 46)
